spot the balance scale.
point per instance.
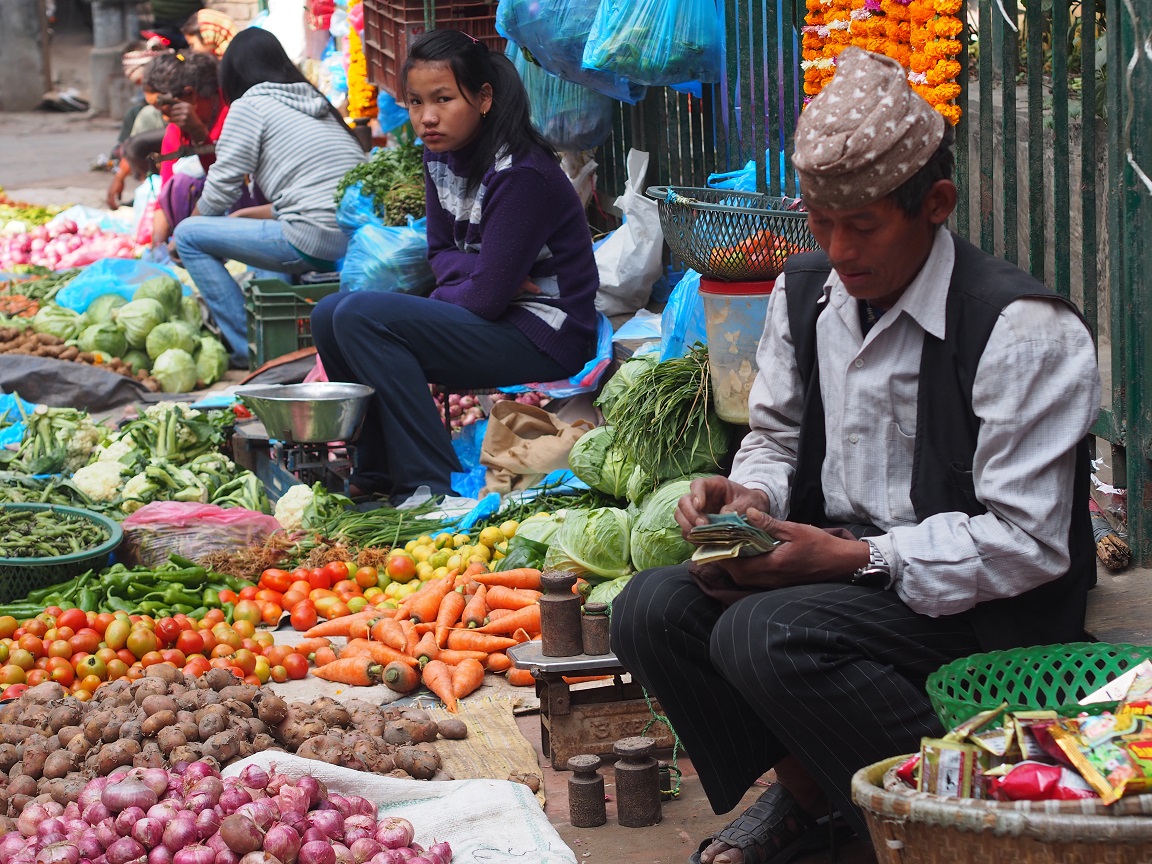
(282, 464)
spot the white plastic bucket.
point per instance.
(734, 314)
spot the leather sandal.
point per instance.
(774, 830)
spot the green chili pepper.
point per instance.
(211, 597)
(228, 608)
(87, 600)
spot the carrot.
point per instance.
(426, 601)
(361, 629)
(354, 671)
(467, 676)
(426, 649)
(451, 608)
(470, 640)
(340, 626)
(580, 679)
(437, 677)
(475, 609)
(497, 663)
(389, 632)
(410, 637)
(421, 629)
(497, 614)
(378, 651)
(520, 577)
(310, 646)
(527, 618)
(500, 597)
(520, 677)
(324, 656)
(474, 569)
(452, 658)
(523, 635)
(401, 677)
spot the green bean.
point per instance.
(46, 533)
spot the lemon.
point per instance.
(425, 540)
(509, 528)
(440, 573)
(476, 558)
(461, 540)
(444, 541)
(439, 559)
(497, 555)
(501, 547)
(409, 546)
(357, 604)
(373, 592)
(424, 571)
(465, 551)
(481, 551)
(393, 590)
(490, 536)
(455, 563)
(405, 590)
(422, 553)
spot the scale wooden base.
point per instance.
(588, 720)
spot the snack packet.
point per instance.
(1035, 781)
(1034, 738)
(948, 768)
(1112, 752)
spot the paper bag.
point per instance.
(630, 260)
(523, 443)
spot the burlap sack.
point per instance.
(523, 443)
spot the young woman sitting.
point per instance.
(512, 254)
(289, 140)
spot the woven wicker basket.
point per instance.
(909, 827)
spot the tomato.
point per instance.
(116, 634)
(300, 574)
(101, 621)
(135, 672)
(279, 674)
(92, 665)
(4, 649)
(41, 663)
(291, 598)
(8, 626)
(266, 595)
(190, 642)
(296, 665)
(251, 645)
(303, 616)
(74, 618)
(86, 641)
(337, 610)
(300, 586)
(227, 596)
(336, 571)
(277, 580)
(142, 641)
(33, 645)
(14, 691)
(60, 648)
(168, 629)
(319, 579)
(11, 675)
(209, 639)
(247, 610)
(320, 593)
(197, 666)
(20, 657)
(244, 629)
(271, 614)
(174, 655)
(246, 660)
(213, 617)
(48, 616)
(276, 654)
(90, 683)
(61, 671)
(37, 676)
(117, 669)
(231, 639)
(346, 588)
(264, 639)
(248, 593)
(366, 577)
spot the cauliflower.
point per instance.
(100, 481)
(82, 442)
(291, 506)
(161, 410)
(118, 450)
(138, 491)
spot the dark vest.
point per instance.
(946, 433)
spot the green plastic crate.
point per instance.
(279, 317)
(1053, 677)
(18, 576)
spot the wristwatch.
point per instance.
(876, 573)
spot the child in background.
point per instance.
(209, 32)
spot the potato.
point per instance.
(165, 673)
(8, 756)
(271, 709)
(323, 748)
(150, 685)
(35, 755)
(157, 722)
(21, 784)
(211, 724)
(112, 756)
(417, 762)
(297, 727)
(237, 710)
(67, 733)
(44, 693)
(60, 764)
(245, 693)
(170, 738)
(64, 715)
(532, 781)
(80, 745)
(218, 679)
(190, 700)
(155, 703)
(335, 715)
(452, 728)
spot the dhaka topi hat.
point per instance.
(865, 133)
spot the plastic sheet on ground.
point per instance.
(485, 821)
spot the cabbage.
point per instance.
(170, 334)
(106, 338)
(592, 542)
(702, 448)
(539, 528)
(211, 360)
(599, 464)
(59, 322)
(657, 540)
(640, 483)
(175, 370)
(137, 360)
(104, 307)
(619, 384)
(166, 290)
(138, 318)
(190, 312)
(606, 592)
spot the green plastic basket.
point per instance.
(1053, 677)
(18, 576)
(279, 317)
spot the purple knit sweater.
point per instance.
(524, 222)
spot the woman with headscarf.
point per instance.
(209, 32)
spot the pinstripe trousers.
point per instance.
(830, 673)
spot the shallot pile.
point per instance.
(190, 815)
(467, 409)
(61, 245)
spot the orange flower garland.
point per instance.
(361, 94)
(919, 34)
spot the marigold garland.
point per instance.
(921, 35)
(361, 94)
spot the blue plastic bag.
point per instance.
(12, 409)
(387, 258)
(356, 210)
(657, 42)
(555, 32)
(584, 381)
(682, 324)
(744, 179)
(110, 276)
(390, 114)
(469, 482)
(570, 116)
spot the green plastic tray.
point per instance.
(279, 317)
(1053, 677)
(18, 576)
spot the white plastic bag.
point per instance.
(629, 261)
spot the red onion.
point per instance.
(198, 771)
(52, 825)
(90, 794)
(180, 767)
(49, 839)
(340, 803)
(126, 819)
(193, 855)
(312, 833)
(351, 835)
(124, 850)
(364, 849)
(165, 811)
(361, 807)
(11, 843)
(283, 843)
(94, 813)
(254, 777)
(213, 786)
(233, 799)
(328, 821)
(441, 851)
(160, 855)
(387, 856)
(316, 852)
(227, 856)
(71, 811)
(199, 802)
(394, 832)
(148, 832)
(277, 782)
(59, 853)
(216, 844)
(89, 846)
(311, 786)
(263, 812)
(343, 854)
(155, 779)
(129, 792)
(76, 827)
(31, 817)
(421, 859)
(181, 831)
(106, 832)
(260, 858)
(207, 824)
(292, 800)
(405, 853)
(358, 821)
(240, 833)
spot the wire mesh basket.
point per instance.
(18, 576)
(734, 236)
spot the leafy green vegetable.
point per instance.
(137, 360)
(394, 179)
(138, 318)
(595, 543)
(59, 322)
(104, 307)
(606, 592)
(657, 540)
(190, 311)
(600, 464)
(539, 528)
(175, 370)
(211, 360)
(106, 338)
(170, 334)
(165, 289)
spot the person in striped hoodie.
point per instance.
(284, 136)
(511, 250)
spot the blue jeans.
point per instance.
(206, 242)
(398, 344)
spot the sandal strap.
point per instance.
(774, 828)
